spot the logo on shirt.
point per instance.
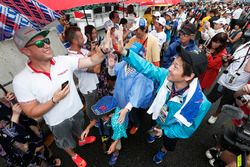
(63, 72)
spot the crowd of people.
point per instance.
(164, 63)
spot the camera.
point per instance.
(242, 99)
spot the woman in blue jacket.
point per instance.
(180, 105)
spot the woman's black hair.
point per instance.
(148, 10)
(220, 37)
(88, 32)
(240, 23)
(123, 21)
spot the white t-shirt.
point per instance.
(243, 78)
(181, 18)
(237, 13)
(87, 81)
(161, 36)
(30, 85)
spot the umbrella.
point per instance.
(153, 2)
(156, 2)
(68, 4)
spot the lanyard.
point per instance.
(176, 93)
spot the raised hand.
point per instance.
(111, 61)
(120, 39)
(107, 45)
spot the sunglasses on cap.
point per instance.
(40, 43)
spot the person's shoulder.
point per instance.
(132, 40)
(23, 76)
(162, 34)
(175, 44)
(152, 38)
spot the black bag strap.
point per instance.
(245, 57)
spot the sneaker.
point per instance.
(212, 153)
(212, 119)
(133, 130)
(212, 162)
(151, 139)
(79, 161)
(113, 159)
(87, 140)
(158, 157)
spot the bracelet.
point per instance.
(104, 52)
(53, 101)
(127, 53)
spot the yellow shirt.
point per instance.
(151, 46)
(149, 18)
(202, 22)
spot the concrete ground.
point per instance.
(137, 152)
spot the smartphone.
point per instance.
(13, 101)
(64, 85)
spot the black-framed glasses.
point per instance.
(183, 34)
(40, 43)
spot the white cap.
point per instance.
(228, 11)
(169, 14)
(139, 22)
(157, 14)
(161, 21)
(221, 21)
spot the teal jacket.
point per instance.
(171, 128)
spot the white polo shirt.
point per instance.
(31, 85)
(87, 81)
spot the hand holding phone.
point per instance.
(64, 85)
(13, 100)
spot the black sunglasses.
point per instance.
(40, 43)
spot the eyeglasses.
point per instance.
(40, 43)
(182, 34)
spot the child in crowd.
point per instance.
(111, 131)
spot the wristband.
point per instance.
(53, 101)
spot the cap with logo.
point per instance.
(197, 59)
(139, 22)
(25, 34)
(104, 106)
(188, 29)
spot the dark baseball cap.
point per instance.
(197, 59)
(188, 29)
